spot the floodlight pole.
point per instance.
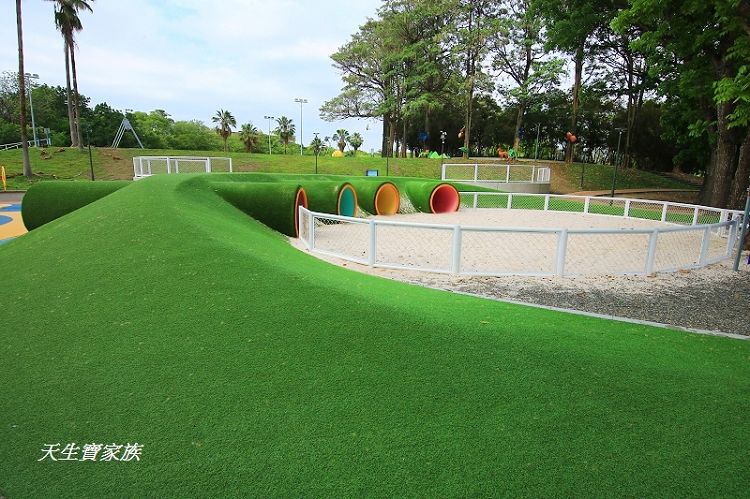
(29, 77)
(91, 161)
(317, 150)
(301, 101)
(536, 148)
(743, 233)
(443, 135)
(269, 118)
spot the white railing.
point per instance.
(15, 145)
(145, 166)
(680, 243)
(495, 173)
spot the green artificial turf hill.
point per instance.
(163, 315)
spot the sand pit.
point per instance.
(523, 249)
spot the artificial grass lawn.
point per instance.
(162, 314)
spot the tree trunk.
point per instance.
(392, 137)
(403, 140)
(22, 93)
(384, 138)
(519, 122)
(741, 179)
(69, 94)
(722, 170)
(467, 119)
(76, 98)
(576, 102)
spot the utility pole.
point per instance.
(617, 161)
(316, 151)
(536, 148)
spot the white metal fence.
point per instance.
(145, 166)
(495, 172)
(15, 145)
(683, 242)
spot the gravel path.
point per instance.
(713, 298)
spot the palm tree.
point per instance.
(68, 23)
(249, 136)
(224, 123)
(285, 130)
(22, 92)
(356, 141)
(342, 136)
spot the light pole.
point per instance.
(301, 101)
(316, 151)
(29, 77)
(536, 148)
(617, 160)
(269, 118)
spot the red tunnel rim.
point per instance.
(438, 201)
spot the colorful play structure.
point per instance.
(272, 199)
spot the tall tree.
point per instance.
(519, 55)
(249, 136)
(342, 138)
(570, 27)
(285, 130)
(68, 23)
(224, 124)
(22, 92)
(475, 23)
(696, 48)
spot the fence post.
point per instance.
(586, 204)
(169, 167)
(695, 216)
(311, 230)
(651, 255)
(230, 165)
(626, 213)
(207, 165)
(476, 199)
(562, 248)
(731, 239)
(704, 246)
(510, 200)
(476, 172)
(373, 248)
(456, 264)
(507, 173)
(135, 168)
(546, 202)
(664, 212)
(177, 165)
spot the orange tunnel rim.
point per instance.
(299, 200)
(387, 199)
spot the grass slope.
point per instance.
(161, 314)
(118, 164)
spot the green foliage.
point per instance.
(342, 138)
(285, 130)
(356, 141)
(224, 124)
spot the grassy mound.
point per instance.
(163, 315)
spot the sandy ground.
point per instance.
(712, 298)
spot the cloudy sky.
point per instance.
(192, 57)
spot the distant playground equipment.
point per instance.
(145, 166)
(3, 178)
(510, 154)
(337, 154)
